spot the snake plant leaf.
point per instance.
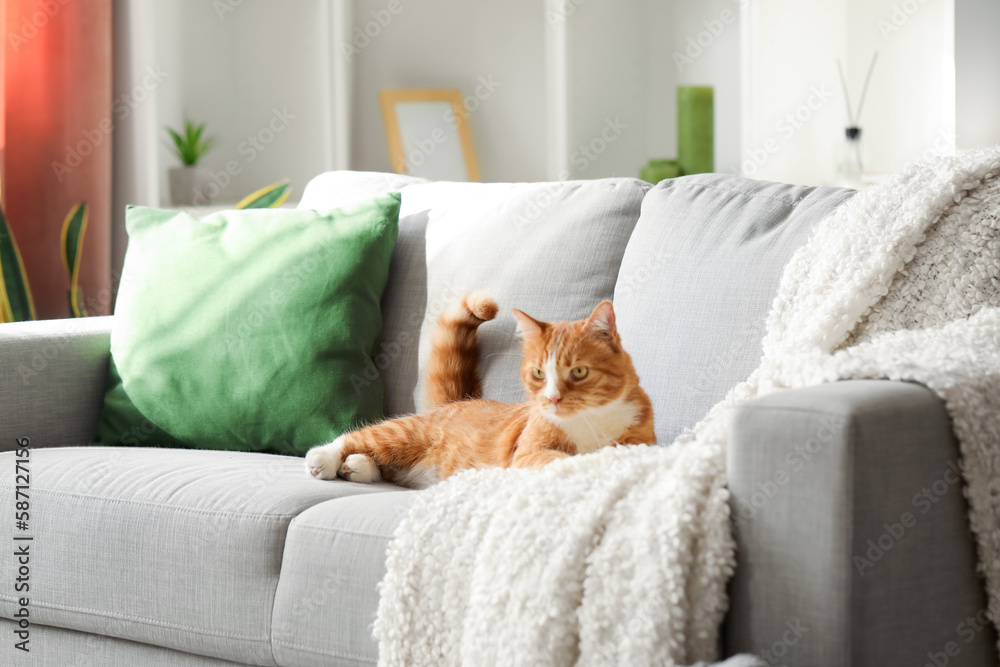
(16, 304)
(73, 229)
(272, 196)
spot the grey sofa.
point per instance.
(854, 546)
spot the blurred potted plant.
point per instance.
(16, 303)
(188, 183)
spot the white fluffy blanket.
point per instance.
(621, 557)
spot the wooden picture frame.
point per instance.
(428, 134)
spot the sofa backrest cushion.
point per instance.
(339, 189)
(697, 282)
(551, 249)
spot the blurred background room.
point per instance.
(835, 92)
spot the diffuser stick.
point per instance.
(864, 91)
(847, 97)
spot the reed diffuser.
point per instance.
(851, 161)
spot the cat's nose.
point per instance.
(555, 400)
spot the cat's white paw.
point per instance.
(359, 468)
(324, 461)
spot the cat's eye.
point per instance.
(538, 373)
(580, 372)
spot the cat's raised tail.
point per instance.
(453, 370)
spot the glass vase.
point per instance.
(851, 158)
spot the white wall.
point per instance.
(447, 44)
(793, 112)
(167, 46)
(137, 74)
(573, 74)
(790, 51)
(910, 108)
(606, 87)
(691, 45)
(977, 72)
(259, 75)
(618, 65)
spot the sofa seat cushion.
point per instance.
(697, 281)
(328, 591)
(176, 548)
(59, 647)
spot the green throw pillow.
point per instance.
(248, 330)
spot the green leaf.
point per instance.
(272, 196)
(207, 145)
(15, 293)
(178, 146)
(190, 147)
(73, 229)
(76, 303)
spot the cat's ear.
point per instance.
(530, 327)
(602, 321)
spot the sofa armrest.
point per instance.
(853, 538)
(52, 377)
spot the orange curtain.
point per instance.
(3, 51)
(55, 141)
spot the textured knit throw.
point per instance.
(621, 557)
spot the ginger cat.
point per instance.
(583, 393)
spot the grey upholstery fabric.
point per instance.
(403, 306)
(327, 597)
(853, 538)
(58, 647)
(52, 376)
(551, 249)
(697, 282)
(177, 548)
(243, 557)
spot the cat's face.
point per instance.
(571, 366)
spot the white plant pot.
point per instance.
(189, 186)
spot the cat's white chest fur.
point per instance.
(597, 427)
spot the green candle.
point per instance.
(695, 129)
(658, 170)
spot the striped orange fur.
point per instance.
(453, 372)
(583, 393)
